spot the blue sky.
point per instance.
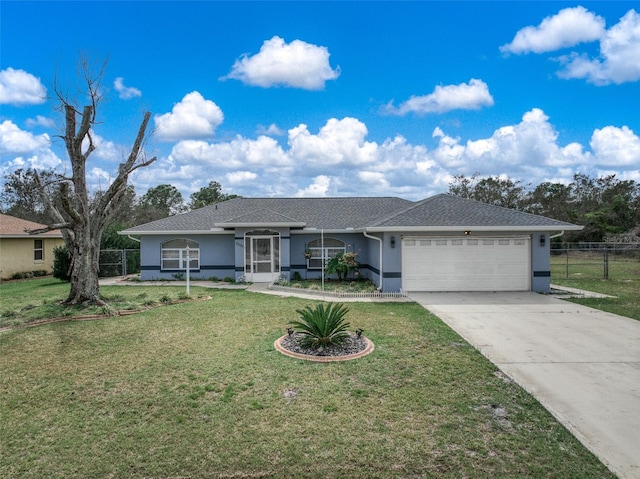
(331, 98)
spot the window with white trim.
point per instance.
(38, 250)
(174, 254)
(322, 251)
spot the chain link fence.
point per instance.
(620, 261)
(119, 262)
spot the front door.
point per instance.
(262, 258)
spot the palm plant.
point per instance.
(322, 326)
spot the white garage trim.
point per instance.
(478, 263)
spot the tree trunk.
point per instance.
(85, 256)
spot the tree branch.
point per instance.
(53, 227)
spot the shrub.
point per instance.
(341, 264)
(61, 263)
(297, 276)
(22, 275)
(322, 326)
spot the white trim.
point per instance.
(472, 229)
(261, 225)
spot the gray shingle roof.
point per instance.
(446, 210)
(321, 213)
(386, 213)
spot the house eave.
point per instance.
(261, 225)
(462, 228)
(34, 236)
(174, 232)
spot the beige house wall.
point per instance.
(17, 255)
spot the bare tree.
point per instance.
(79, 215)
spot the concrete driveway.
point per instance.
(582, 364)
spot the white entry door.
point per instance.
(262, 258)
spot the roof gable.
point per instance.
(260, 218)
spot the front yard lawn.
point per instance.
(624, 285)
(197, 390)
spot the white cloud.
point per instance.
(619, 60)
(616, 147)
(337, 160)
(518, 150)
(40, 120)
(271, 130)
(567, 28)
(297, 64)
(23, 149)
(241, 177)
(17, 87)
(339, 142)
(193, 117)
(234, 154)
(105, 149)
(465, 96)
(319, 188)
(15, 140)
(125, 92)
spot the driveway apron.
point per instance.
(582, 364)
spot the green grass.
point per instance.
(623, 283)
(197, 390)
(24, 302)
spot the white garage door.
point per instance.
(466, 264)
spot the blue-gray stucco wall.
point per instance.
(216, 257)
(222, 256)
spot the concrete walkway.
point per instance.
(582, 364)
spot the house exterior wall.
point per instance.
(216, 257)
(540, 263)
(17, 255)
(223, 255)
(354, 242)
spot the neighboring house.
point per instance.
(21, 252)
(442, 243)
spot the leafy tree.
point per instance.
(493, 190)
(21, 196)
(112, 240)
(81, 217)
(159, 202)
(553, 200)
(209, 195)
(604, 206)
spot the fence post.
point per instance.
(606, 263)
(124, 263)
(567, 262)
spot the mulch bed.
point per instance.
(352, 348)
